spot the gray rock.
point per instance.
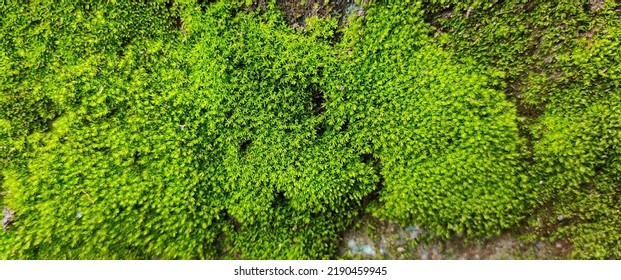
(423, 254)
(411, 228)
(596, 5)
(367, 249)
(9, 215)
(414, 231)
(538, 246)
(352, 245)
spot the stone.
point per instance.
(367, 249)
(9, 215)
(538, 246)
(352, 245)
(411, 228)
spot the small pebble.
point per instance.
(351, 243)
(367, 249)
(8, 218)
(352, 246)
(423, 254)
(411, 228)
(400, 249)
(538, 246)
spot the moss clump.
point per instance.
(191, 130)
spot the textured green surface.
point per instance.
(182, 130)
(561, 62)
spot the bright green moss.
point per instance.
(283, 169)
(207, 142)
(447, 144)
(108, 173)
(578, 151)
(561, 64)
(183, 130)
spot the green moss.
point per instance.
(447, 143)
(184, 130)
(560, 60)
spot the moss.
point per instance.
(204, 129)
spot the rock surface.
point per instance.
(8, 218)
